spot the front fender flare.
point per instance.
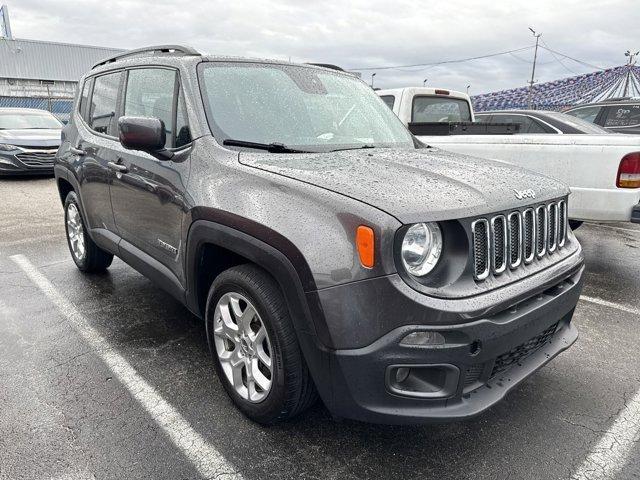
(279, 266)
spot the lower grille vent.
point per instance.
(516, 355)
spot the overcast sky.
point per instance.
(359, 33)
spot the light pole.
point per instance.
(630, 64)
(631, 56)
(424, 82)
(533, 70)
(468, 87)
(372, 75)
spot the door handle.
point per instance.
(118, 167)
(77, 151)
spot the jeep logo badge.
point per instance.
(522, 194)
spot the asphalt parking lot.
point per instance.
(106, 376)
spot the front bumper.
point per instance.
(26, 162)
(482, 360)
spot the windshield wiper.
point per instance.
(270, 147)
(354, 148)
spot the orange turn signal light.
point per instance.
(365, 241)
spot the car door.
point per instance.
(94, 147)
(148, 193)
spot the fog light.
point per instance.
(402, 373)
(423, 381)
(423, 338)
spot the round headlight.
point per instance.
(421, 248)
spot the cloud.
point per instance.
(358, 33)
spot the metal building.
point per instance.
(38, 74)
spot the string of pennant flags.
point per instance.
(623, 81)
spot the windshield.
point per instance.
(578, 123)
(300, 107)
(28, 121)
(429, 109)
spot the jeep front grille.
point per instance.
(562, 223)
(499, 245)
(518, 238)
(481, 247)
(515, 239)
(529, 241)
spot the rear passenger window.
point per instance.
(622, 116)
(535, 127)
(183, 133)
(102, 117)
(587, 113)
(84, 100)
(521, 120)
(150, 93)
(389, 100)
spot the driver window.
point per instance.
(150, 93)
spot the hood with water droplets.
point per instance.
(413, 185)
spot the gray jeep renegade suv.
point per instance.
(328, 252)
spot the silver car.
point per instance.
(29, 139)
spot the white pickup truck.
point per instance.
(603, 171)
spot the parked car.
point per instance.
(620, 116)
(541, 121)
(603, 171)
(326, 250)
(428, 104)
(29, 139)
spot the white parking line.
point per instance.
(205, 457)
(605, 303)
(609, 455)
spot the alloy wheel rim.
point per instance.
(243, 347)
(75, 232)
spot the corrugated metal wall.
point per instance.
(32, 59)
(24, 63)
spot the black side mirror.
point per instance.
(142, 133)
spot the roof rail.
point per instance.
(156, 49)
(327, 65)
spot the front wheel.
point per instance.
(87, 256)
(254, 346)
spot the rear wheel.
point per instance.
(254, 346)
(87, 256)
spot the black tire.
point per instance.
(574, 224)
(292, 389)
(94, 259)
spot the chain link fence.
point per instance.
(59, 107)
